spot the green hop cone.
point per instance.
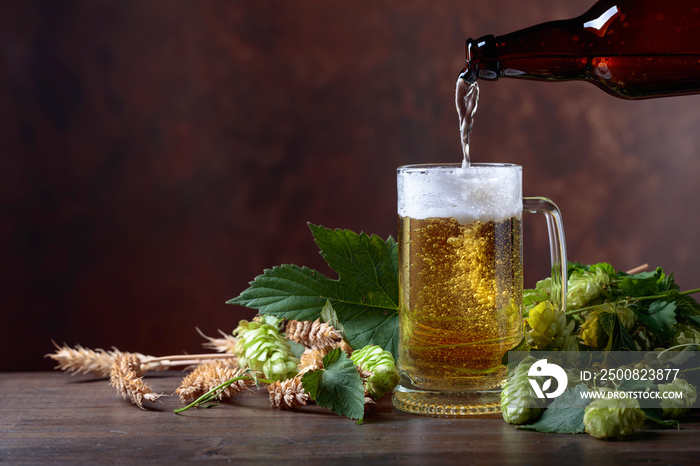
(614, 417)
(385, 375)
(519, 403)
(591, 334)
(261, 347)
(685, 335)
(548, 325)
(584, 287)
(674, 407)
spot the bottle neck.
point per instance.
(554, 50)
(543, 53)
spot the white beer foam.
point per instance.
(482, 193)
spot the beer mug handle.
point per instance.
(557, 245)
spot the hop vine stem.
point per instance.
(634, 300)
(212, 394)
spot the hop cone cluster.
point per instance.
(610, 418)
(519, 404)
(549, 329)
(261, 347)
(380, 363)
(673, 408)
(585, 286)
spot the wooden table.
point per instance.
(55, 417)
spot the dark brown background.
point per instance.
(157, 155)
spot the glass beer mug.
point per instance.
(461, 283)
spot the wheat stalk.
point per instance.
(81, 360)
(125, 376)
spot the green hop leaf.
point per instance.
(614, 417)
(564, 415)
(365, 295)
(261, 347)
(329, 316)
(385, 375)
(541, 293)
(659, 318)
(641, 284)
(607, 325)
(338, 386)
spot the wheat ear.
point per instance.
(125, 376)
(288, 394)
(315, 335)
(81, 360)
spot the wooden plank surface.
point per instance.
(54, 417)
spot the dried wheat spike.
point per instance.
(125, 376)
(288, 394)
(316, 334)
(226, 344)
(208, 376)
(80, 360)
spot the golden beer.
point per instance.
(461, 282)
(460, 285)
(460, 302)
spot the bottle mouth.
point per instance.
(469, 73)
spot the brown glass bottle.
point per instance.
(632, 49)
